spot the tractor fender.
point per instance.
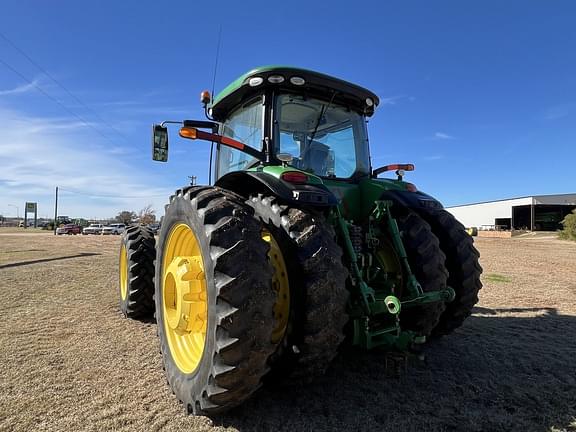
(247, 183)
(417, 201)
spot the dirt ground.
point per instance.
(69, 361)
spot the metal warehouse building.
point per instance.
(535, 213)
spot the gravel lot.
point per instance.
(69, 361)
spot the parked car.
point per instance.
(116, 229)
(93, 229)
(69, 229)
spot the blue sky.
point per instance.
(481, 96)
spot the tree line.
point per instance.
(145, 216)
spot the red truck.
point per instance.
(69, 229)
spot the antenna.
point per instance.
(216, 60)
(212, 94)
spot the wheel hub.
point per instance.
(185, 296)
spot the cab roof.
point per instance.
(315, 83)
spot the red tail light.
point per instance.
(294, 177)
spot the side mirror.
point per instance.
(159, 143)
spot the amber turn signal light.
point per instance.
(188, 132)
(205, 97)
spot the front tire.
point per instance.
(214, 302)
(137, 255)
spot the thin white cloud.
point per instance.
(560, 111)
(24, 88)
(433, 157)
(443, 136)
(393, 100)
(120, 150)
(38, 154)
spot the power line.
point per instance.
(73, 96)
(53, 99)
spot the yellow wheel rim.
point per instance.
(389, 259)
(281, 285)
(184, 298)
(123, 272)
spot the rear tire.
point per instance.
(318, 294)
(426, 261)
(232, 357)
(462, 262)
(137, 255)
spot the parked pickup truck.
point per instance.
(93, 229)
(69, 229)
(114, 229)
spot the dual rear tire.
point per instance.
(462, 263)
(317, 290)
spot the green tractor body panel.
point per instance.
(357, 199)
(277, 171)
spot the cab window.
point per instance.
(244, 125)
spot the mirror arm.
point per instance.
(193, 123)
(165, 122)
(201, 124)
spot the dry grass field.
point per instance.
(69, 361)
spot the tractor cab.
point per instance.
(299, 118)
(295, 118)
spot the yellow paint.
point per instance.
(123, 272)
(281, 285)
(184, 298)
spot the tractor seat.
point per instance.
(315, 158)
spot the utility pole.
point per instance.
(56, 211)
(192, 180)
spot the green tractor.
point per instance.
(296, 248)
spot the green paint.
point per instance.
(243, 79)
(278, 170)
(357, 199)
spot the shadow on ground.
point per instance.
(43, 260)
(499, 372)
